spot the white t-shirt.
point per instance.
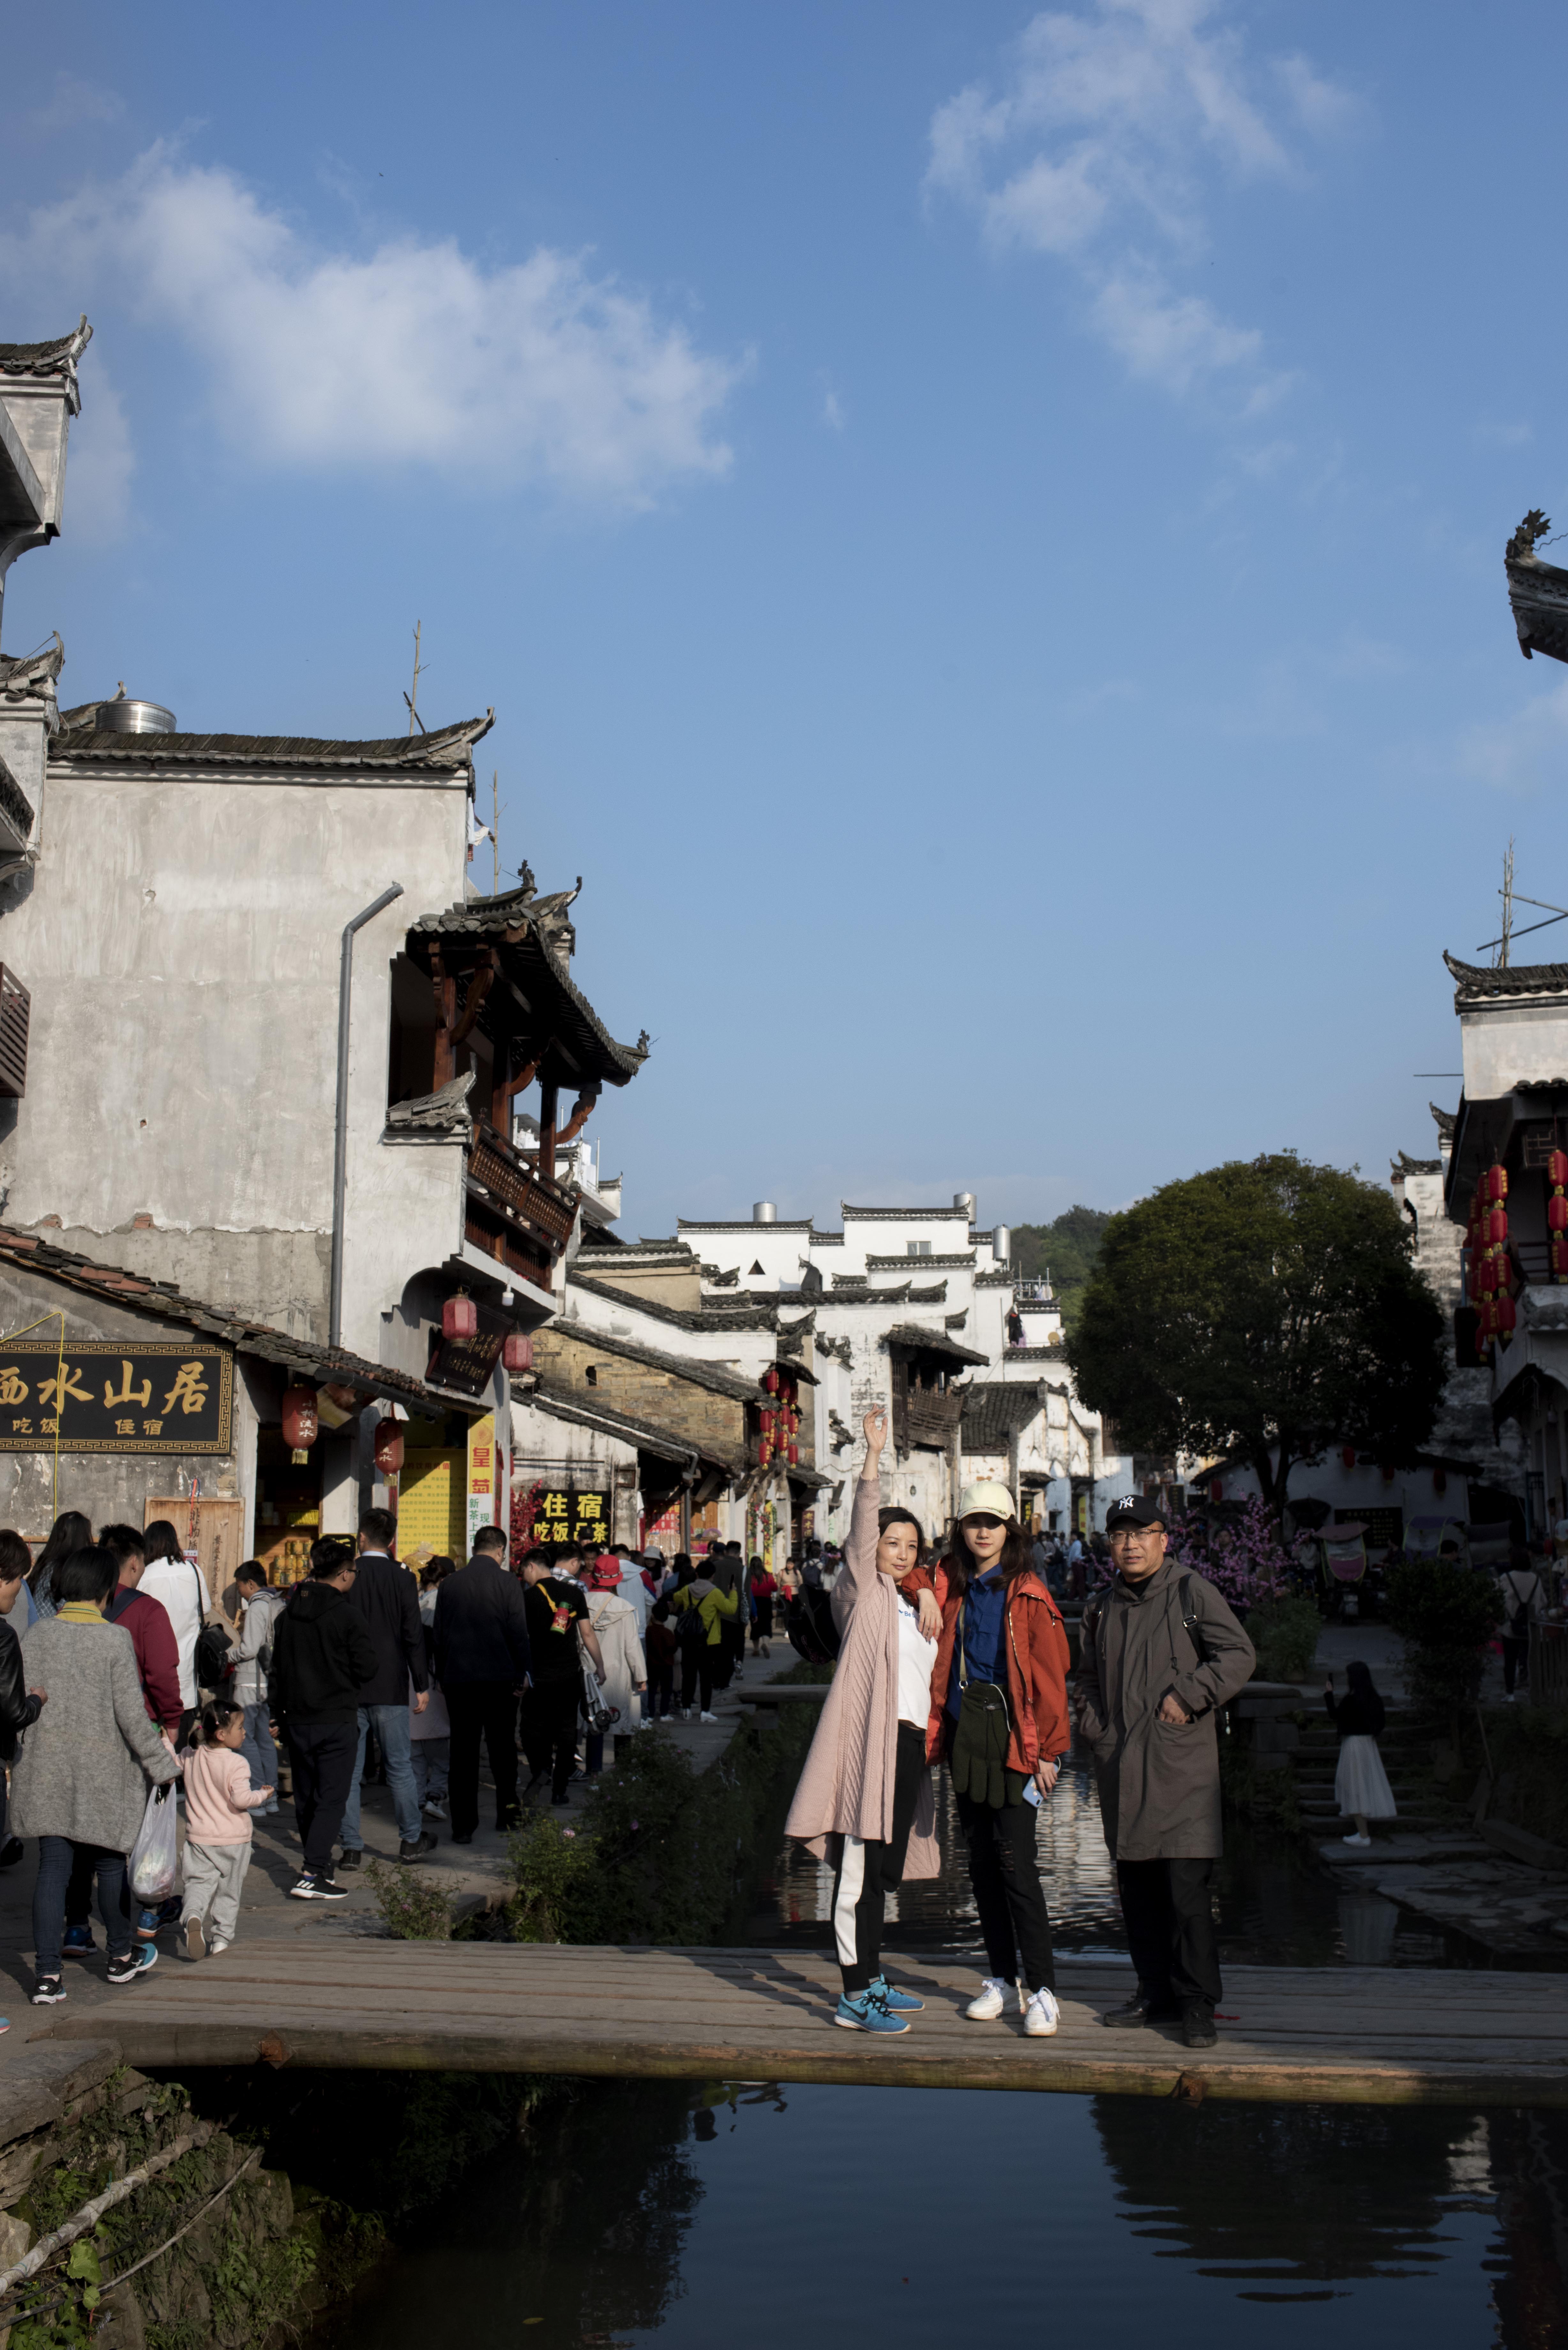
(917, 1659)
(179, 1587)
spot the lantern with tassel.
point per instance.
(793, 1455)
(517, 1352)
(1505, 1315)
(300, 1422)
(771, 1380)
(459, 1317)
(389, 1447)
(1495, 1184)
(1560, 1256)
(1497, 1226)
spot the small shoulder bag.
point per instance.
(978, 1759)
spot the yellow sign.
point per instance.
(431, 1504)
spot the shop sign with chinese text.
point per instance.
(564, 1515)
(115, 1398)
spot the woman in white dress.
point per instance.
(626, 1672)
(1360, 1784)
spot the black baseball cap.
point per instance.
(1133, 1510)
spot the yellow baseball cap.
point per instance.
(995, 1500)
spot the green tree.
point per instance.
(1268, 1308)
(1067, 1250)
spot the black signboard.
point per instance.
(469, 1364)
(115, 1398)
(564, 1515)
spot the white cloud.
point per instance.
(73, 105)
(832, 411)
(1525, 753)
(1109, 134)
(99, 461)
(534, 371)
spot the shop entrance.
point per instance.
(288, 1508)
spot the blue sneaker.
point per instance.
(902, 2002)
(79, 1942)
(137, 1962)
(867, 2011)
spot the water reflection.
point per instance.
(657, 2213)
(1276, 1906)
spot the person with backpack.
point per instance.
(700, 1615)
(1521, 1598)
(169, 1577)
(1159, 1654)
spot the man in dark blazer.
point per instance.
(387, 1596)
(482, 1663)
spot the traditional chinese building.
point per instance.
(261, 1042)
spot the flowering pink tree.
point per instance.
(1243, 1558)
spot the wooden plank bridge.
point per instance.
(1348, 2035)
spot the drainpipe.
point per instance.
(341, 1152)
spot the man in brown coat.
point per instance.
(1159, 1653)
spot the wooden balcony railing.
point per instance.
(512, 1213)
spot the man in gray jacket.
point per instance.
(1159, 1652)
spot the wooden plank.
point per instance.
(1299, 2034)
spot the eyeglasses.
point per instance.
(1135, 1533)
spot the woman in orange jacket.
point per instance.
(999, 1718)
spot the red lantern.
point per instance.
(517, 1354)
(389, 1447)
(771, 1380)
(1439, 1481)
(1505, 1315)
(1557, 1213)
(1483, 1280)
(1217, 1491)
(300, 1422)
(1560, 1258)
(793, 1455)
(1387, 1473)
(459, 1317)
(1346, 1453)
(1497, 1226)
(1495, 1183)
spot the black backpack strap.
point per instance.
(1189, 1618)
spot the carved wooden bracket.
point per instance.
(582, 1110)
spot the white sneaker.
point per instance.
(707, 1717)
(1361, 1841)
(213, 1948)
(992, 2000)
(1041, 2016)
(435, 1809)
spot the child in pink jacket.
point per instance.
(219, 1801)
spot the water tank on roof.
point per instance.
(965, 1200)
(1002, 1244)
(124, 716)
(764, 1213)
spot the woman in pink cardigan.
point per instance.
(864, 1794)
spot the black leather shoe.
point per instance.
(424, 1842)
(1198, 2028)
(508, 1821)
(464, 1839)
(1131, 2016)
(352, 1860)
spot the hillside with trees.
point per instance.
(1068, 1250)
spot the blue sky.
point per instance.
(982, 528)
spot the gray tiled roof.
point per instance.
(1479, 980)
(114, 1285)
(57, 358)
(522, 922)
(711, 1316)
(448, 747)
(679, 1367)
(994, 1412)
(904, 1215)
(933, 1342)
(587, 1411)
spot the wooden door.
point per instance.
(212, 1531)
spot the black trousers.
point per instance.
(323, 1754)
(1515, 1662)
(1170, 1921)
(866, 1870)
(550, 1730)
(477, 1710)
(697, 1663)
(1009, 1898)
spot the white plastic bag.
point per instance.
(154, 1864)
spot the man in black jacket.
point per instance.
(322, 1656)
(481, 1662)
(388, 1597)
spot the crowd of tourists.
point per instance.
(127, 1697)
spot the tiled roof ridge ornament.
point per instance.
(1520, 547)
(32, 679)
(445, 1111)
(1444, 1119)
(57, 358)
(1507, 979)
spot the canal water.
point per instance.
(747, 2216)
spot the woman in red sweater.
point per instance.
(999, 1718)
